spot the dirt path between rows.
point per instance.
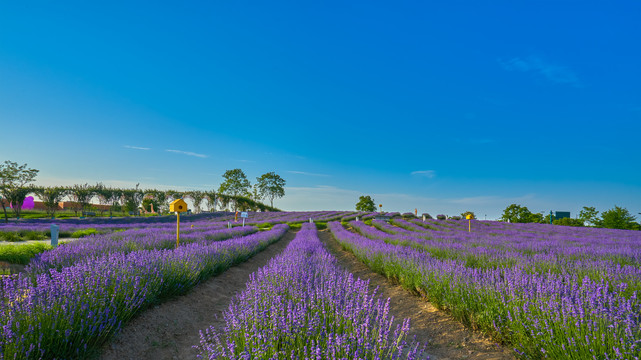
(447, 338)
(169, 330)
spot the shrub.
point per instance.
(84, 232)
(21, 254)
(441, 217)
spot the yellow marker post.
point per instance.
(178, 206)
(469, 219)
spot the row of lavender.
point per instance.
(70, 225)
(303, 305)
(488, 278)
(73, 298)
(617, 252)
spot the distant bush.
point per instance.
(84, 232)
(408, 215)
(568, 222)
(10, 236)
(455, 218)
(427, 216)
(441, 217)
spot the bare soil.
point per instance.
(170, 330)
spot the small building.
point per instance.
(382, 217)
(561, 214)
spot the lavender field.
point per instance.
(547, 291)
(544, 291)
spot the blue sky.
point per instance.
(442, 107)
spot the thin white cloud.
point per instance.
(430, 174)
(307, 173)
(136, 147)
(532, 64)
(189, 153)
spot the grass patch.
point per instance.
(265, 226)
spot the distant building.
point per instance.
(561, 214)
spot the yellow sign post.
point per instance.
(469, 219)
(178, 206)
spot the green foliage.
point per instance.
(295, 226)
(21, 254)
(589, 215)
(366, 204)
(568, 222)
(618, 218)
(146, 204)
(10, 236)
(84, 232)
(321, 225)
(517, 214)
(50, 197)
(13, 185)
(235, 184)
(536, 218)
(82, 194)
(265, 226)
(270, 186)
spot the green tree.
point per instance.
(517, 214)
(537, 218)
(366, 203)
(13, 181)
(81, 195)
(235, 185)
(568, 222)
(51, 197)
(270, 186)
(147, 204)
(133, 199)
(589, 215)
(618, 218)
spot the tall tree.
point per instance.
(366, 203)
(270, 186)
(618, 218)
(589, 215)
(235, 184)
(81, 195)
(517, 214)
(13, 181)
(51, 197)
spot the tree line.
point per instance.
(235, 191)
(615, 218)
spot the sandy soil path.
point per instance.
(447, 338)
(169, 331)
